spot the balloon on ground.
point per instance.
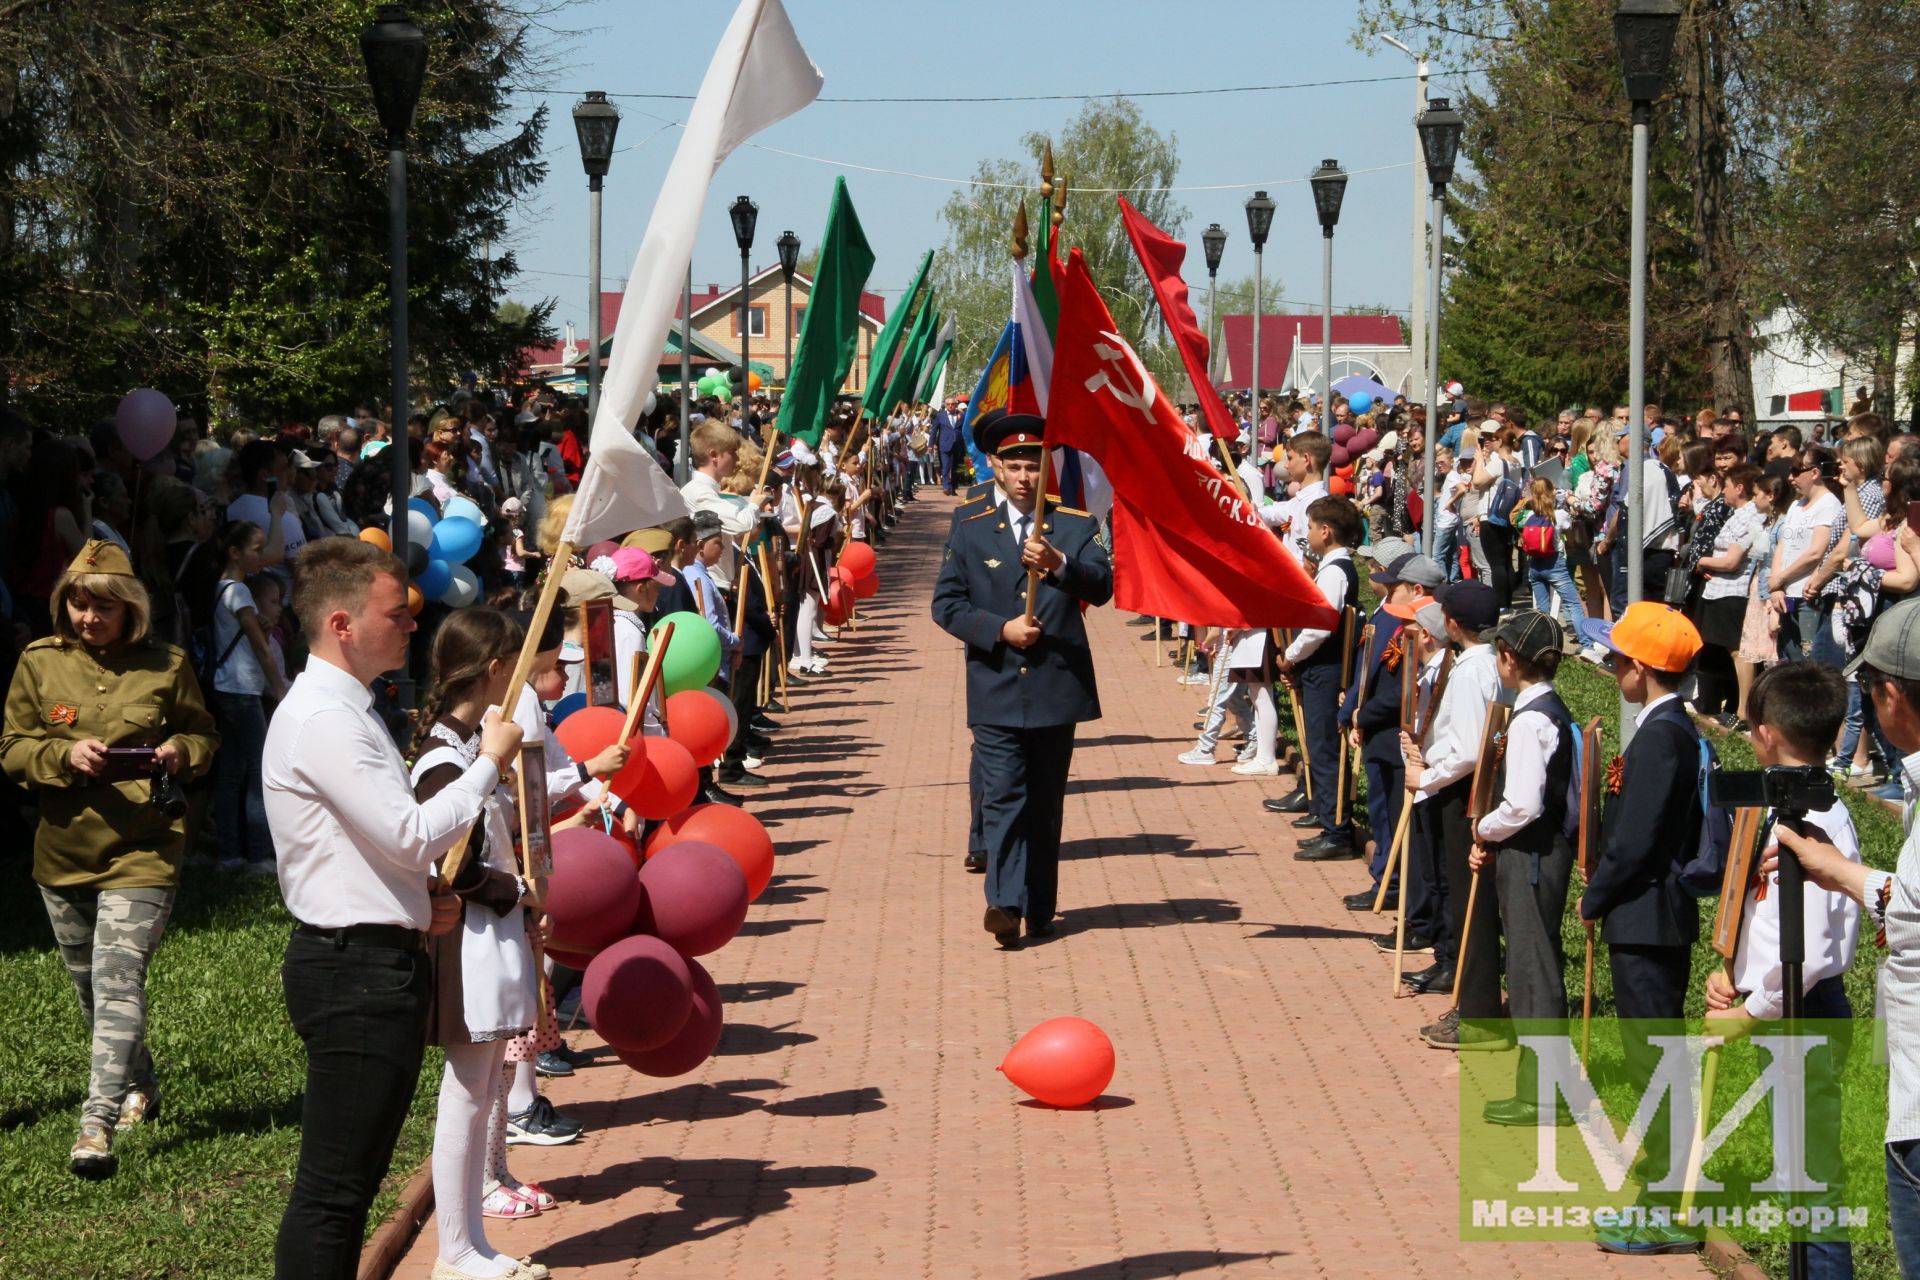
(593, 893)
(692, 896)
(696, 1040)
(1063, 1062)
(738, 833)
(637, 993)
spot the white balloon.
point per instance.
(464, 590)
(419, 529)
(461, 505)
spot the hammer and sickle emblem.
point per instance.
(1134, 389)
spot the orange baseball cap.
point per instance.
(1406, 609)
(1657, 634)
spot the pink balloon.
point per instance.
(593, 893)
(693, 896)
(696, 1040)
(637, 993)
(145, 422)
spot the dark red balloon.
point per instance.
(692, 895)
(697, 1039)
(742, 836)
(592, 894)
(637, 993)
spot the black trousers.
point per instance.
(744, 693)
(1317, 685)
(1421, 880)
(1496, 540)
(1649, 983)
(1023, 786)
(1386, 792)
(362, 1014)
(976, 838)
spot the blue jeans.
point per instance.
(1551, 578)
(1446, 549)
(1903, 1204)
(239, 809)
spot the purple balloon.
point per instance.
(145, 422)
(1340, 456)
(1342, 433)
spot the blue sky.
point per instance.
(990, 47)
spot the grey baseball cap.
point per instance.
(1387, 550)
(1893, 646)
(1531, 634)
(1419, 570)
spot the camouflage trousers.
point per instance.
(107, 938)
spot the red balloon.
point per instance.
(589, 731)
(659, 779)
(700, 724)
(697, 1039)
(593, 894)
(1340, 487)
(693, 896)
(742, 836)
(1064, 1062)
(863, 588)
(839, 604)
(858, 558)
(637, 993)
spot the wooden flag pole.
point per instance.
(1697, 1152)
(1403, 838)
(643, 685)
(522, 670)
(1040, 518)
(527, 874)
(1492, 730)
(1586, 1005)
(779, 630)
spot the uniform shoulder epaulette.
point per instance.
(980, 515)
(45, 642)
(1072, 511)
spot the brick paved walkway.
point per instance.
(1272, 1111)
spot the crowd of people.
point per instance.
(206, 661)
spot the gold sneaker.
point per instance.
(141, 1104)
(92, 1155)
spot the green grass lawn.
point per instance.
(199, 1193)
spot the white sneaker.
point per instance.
(1246, 753)
(817, 667)
(1258, 768)
(796, 666)
(1196, 756)
(751, 763)
(1595, 653)
(1193, 677)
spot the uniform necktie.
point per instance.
(1020, 527)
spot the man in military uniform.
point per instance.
(1029, 680)
(980, 497)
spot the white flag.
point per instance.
(759, 75)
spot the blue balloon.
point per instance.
(1360, 401)
(566, 707)
(455, 539)
(434, 579)
(425, 508)
(466, 508)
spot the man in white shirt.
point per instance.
(715, 449)
(355, 850)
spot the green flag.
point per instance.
(1045, 298)
(880, 362)
(906, 374)
(830, 331)
(942, 348)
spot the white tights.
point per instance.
(1266, 722)
(803, 627)
(460, 1142)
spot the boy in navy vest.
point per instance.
(1312, 661)
(1524, 839)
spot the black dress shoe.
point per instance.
(1363, 901)
(1004, 924)
(1525, 1115)
(1417, 944)
(716, 795)
(743, 779)
(1036, 929)
(1437, 978)
(1293, 803)
(976, 861)
(1327, 849)
(1304, 822)
(763, 724)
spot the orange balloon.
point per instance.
(415, 601)
(739, 833)
(660, 778)
(589, 731)
(700, 724)
(753, 382)
(1064, 1062)
(377, 536)
(858, 559)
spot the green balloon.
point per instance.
(693, 659)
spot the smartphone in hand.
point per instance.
(1913, 515)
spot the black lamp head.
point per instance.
(396, 55)
(1329, 190)
(1259, 219)
(1214, 241)
(595, 122)
(1440, 128)
(789, 246)
(1644, 31)
(744, 213)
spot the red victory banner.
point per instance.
(1162, 255)
(1186, 545)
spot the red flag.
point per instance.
(1186, 545)
(1162, 255)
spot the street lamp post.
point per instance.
(789, 246)
(1214, 241)
(1259, 222)
(1329, 189)
(395, 51)
(1644, 31)
(1439, 128)
(595, 122)
(744, 214)
(1420, 200)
